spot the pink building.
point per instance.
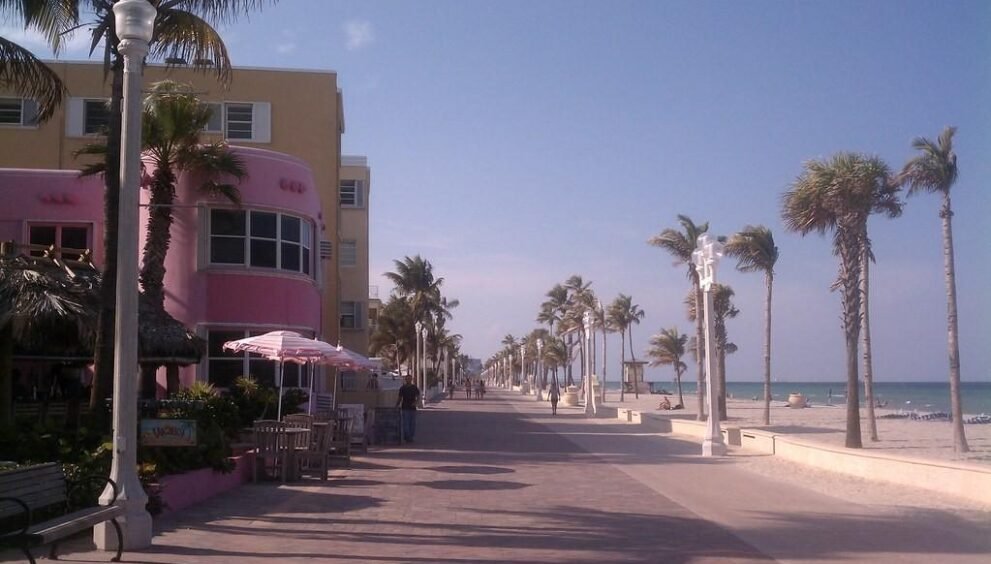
(232, 271)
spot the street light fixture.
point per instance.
(135, 24)
(589, 395)
(523, 366)
(706, 259)
(537, 376)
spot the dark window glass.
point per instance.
(239, 117)
(227, 250)
(263, 371)
(216, 340)
(306, 261)
(348, 193)
(97, 116)
(290, 257)
(10, 111)
(74, 238)
(263, 253)
(226, 222)
(263, 225)
(41, 235)
(290, 228)
(223, 372)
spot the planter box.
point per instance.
(179, 491)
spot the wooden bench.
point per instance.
(43, 490)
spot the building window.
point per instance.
(239, 121)
(224, 367)
(216, 122)
(261, 240)
(74, 239)
(352, 194)
(18, 111)
(349, 253)
(350, 315)
(96, 117)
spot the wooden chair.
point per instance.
(340, 441)
(271, 449)
(316, 458)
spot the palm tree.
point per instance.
(184, 31)
(43, 303)
(722, 309)
(394, 330)
(172, 123)
(623, 314)
(579, 296)
(602, 320)
(618, 320)
(681, 245)
(755, 251)
(20, 70)
(667, 347)
(935, 170)
(414, 280)
(837, 195)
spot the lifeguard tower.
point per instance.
(633, 378)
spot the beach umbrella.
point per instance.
(285, 346)
(355, 361)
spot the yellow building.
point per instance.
(298, 112)
(355, 190)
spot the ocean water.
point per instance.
(920, 396)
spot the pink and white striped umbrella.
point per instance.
(286, 346)
(354, 360)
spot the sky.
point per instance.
(516, 143)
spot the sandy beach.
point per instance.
(930, 440)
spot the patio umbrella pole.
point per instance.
(309, 400)
(282, 364)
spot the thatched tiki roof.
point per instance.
(163, 340)
(51, 306)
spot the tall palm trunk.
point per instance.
(850, 249)
(677, 375)
(158, 236)
(953, 346)
(103, 372)
(866, 329)
(569, 377)
(721, 391)
(622, 370)
(768, 282)
(633, 357)
(603, 360)
(699, 350)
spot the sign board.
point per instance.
(357, 413)
(387, 426)
(168, 432)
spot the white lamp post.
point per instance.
(706, 259)
(537, 376)
(523, 367)
(589, 395)
(423, 365)
(135, 23)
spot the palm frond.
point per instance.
(25, 74)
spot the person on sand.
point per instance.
(665, 404)
(554, 395)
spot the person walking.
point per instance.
(555, 395)
(468, 389)
(409, 395)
